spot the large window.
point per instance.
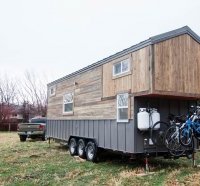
(68, 103)
(121, 67)
(122, 107)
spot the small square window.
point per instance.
(52, 91)
(117, 68)
(121, 67)
(125, 66)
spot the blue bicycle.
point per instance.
(191, 128)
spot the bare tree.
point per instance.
(8, 97)
(33, 93)
(28, 96)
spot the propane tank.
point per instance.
(155, 117)
(143, 119)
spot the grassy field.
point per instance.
(35, 163)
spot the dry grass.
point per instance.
(35, 163)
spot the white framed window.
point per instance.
(122, 107)
(52, 91)
(121, 67)
(68, 103)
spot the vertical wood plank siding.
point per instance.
(177, 66)
(136, 81)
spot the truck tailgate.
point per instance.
(23, 127)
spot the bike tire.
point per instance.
(172, 141)
(185, 136)
(158, 135)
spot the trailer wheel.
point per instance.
(81, 148)
(44, 138)
(73, 147)
(91, 151)
(22, 138)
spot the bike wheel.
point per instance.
(172, 142)
(185, 136)
(158, 133)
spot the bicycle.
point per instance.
(191, 128)
(168, 135)
(172, 141)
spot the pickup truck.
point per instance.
(35, 129)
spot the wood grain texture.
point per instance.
(141, 66)
(87, 98)
(177, 66)
(112, 85)
(137, 80)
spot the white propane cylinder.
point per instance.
(155, 117)
(143, 119)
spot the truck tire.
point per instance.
(81, 148)
(44, 137)
(91, 151)
(22, 138)
(73, 147)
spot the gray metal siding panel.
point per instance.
(66, 124)
(86, 128)
(91, 129)
(70, 128)
(82, 128)
(56, 129)
(121, 136)
(62, 129)
(107, 134)
(101, 130)
(114, 135)
(130, 136)
(96, 130)
(74, 127)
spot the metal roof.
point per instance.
(150, 41)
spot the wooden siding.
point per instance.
(177, 67)
(113, 85)
(87, 98)
(168, 68)
(141, 70)
(137, 80)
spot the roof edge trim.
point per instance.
(103, 61)
(150, 41)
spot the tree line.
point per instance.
(27, 95)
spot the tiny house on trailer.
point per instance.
(97, 106)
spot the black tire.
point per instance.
(73, 147)
(172, 141)
(22, 138)
(44, 137)
(91, 151)
(186, 137)
(179, 152)
(81, 148)
(158, 135)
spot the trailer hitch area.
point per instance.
(146, 161)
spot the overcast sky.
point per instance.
(61, 36)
